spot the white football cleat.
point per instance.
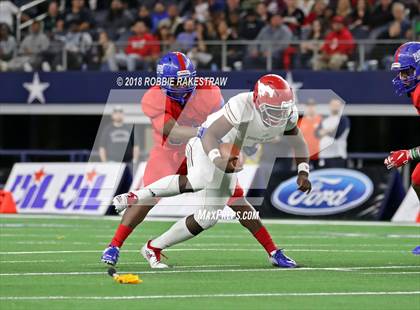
(152, 255)
(121, 202)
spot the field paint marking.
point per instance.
(31, 261)
(393, 272)
(245, 236)
(221, 244)
(215, 249)
(235, 295)
(166, 219)
(345, 269)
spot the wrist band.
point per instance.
(415, 153)
(303, 167)
(201, 131)
(213, 154)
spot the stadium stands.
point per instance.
(219, 35)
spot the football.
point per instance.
(229, 149)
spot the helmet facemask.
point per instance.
(180, 88)
(406, 79)
(274, 116)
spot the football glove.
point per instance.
(397, 159)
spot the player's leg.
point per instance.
(157, 167)
(246, 215)
(201, 174)
(186, 228)
(415, 179)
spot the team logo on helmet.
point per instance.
(264, 89)
(416, 56)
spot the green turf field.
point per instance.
(53, 263)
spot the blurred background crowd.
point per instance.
(113, 35)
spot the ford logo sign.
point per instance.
(333, 191)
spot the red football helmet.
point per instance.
(274, 99)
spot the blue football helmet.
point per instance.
(177, 74)
(407, 64)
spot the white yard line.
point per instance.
(245, 236)
(393, 272)
(210, 250)
(170, 271)
(31, 261)
(166, 219)
(189, 296)
(223, 244)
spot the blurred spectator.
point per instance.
(293, 17)
(400, 17)
(250, 26)
(201, 10)
(78, 12)
(262, 12)
(159, 13)
(317, 12)
(174, 21)
(232, 6)
(233, 21)
(118, 141)
(143, 15)
(333, 132)
(52, 18)
(337, 48)
(199, 54)
(343, 9)
(395, 30)
(31, 50)
(308, 125)
(7, 13)
(381, 14)
(78, 43)
(360, 20)
(7, 47)
(306, 6)
(185, 41)
(310, 49)
(118, 19)
(234, 52)
(279, 37)
(165, 37)
(107, 51)
(142, 49)
(275, 6)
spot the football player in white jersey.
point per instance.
(247, 119)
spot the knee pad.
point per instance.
(144, 197)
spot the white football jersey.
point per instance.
(240, 109)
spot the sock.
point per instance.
(165, 187)
(264, 238)
(121, 234)
(176, 234)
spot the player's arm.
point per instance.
(175, 131)
(400, 158)
(214, 133)
(102, 154)
(102, 144)
(136, 154)
(301, 151)
(164, 122)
